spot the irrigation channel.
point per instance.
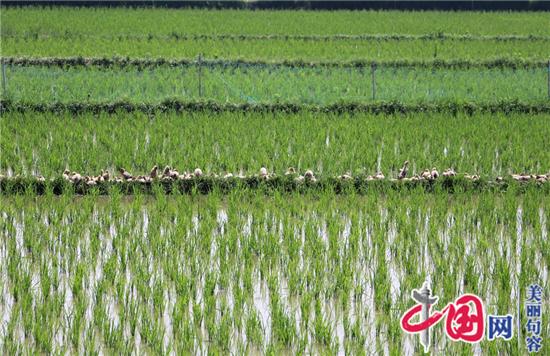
(244, 273)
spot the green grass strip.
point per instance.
(185, 62)
(506, 107)
(206, 185)
(269, 37)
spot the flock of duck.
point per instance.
(170, 174)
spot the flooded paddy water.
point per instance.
(255, 274)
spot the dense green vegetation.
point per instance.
(277, 49)
(247, 274)
(101, 21)
(161, 33)
(488, 144)
(265, 84)
(256, 269)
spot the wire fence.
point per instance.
(235, 82)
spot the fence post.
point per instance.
(373, 68)
(199, 62)
(3, 78)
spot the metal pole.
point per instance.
(519, 318)
(373, 68)
(549, 79)
(3, 78)
(200, 75)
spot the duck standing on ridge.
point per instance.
(154, 172)
(125, 174)
(403, 171)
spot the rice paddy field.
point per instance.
(278, 265)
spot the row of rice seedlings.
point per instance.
(268, 84)
(244, 273)
(61, 21)
(328, 144)
(277, 49)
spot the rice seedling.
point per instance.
(63, 21)
(241, 143)
(268, 84)
(244, 273)
(276, 48)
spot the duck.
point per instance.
(521, 177)
(67, 174)
(154, 172)
(228, 175)
(75, 177)
(40, 178)
(449, 172)
(174, 174)
(125, 174)
(197, 172)
(403, 171)
(426, 174)
(379, 176)
(345, 176)
(309, 176)
(434, 173)
(263, 173)
(290, 171)
(141, 179)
